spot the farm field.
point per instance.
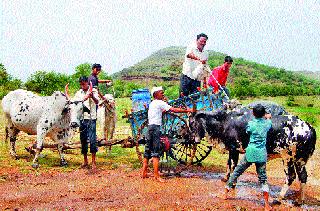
(117, 184)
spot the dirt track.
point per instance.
(197, 188)
(123, 189)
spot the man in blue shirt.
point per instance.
(93, 78)
(256, 153)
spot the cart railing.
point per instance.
(204, 100)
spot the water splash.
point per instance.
(248, 188)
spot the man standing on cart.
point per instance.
(152, 148)
(195, 56)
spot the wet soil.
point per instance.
(192, 189)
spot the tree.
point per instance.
(4, 76)
(7, 82)
(45, 83)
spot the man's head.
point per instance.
(157, 93)
(96, 69)
(228, 61)
(259, 111)
(84, 84)
(201, 40)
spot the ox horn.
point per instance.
(66, 91)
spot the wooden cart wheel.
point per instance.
(190, 153)
(183, 148)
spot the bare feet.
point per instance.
(159, 179)
(84, 166)
(144, 175)
(267, 207)
(225, 195)
(145, 168)
(94, 168)
(161, 173)
(224, 179)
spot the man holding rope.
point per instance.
(88, 122)
(219, 75)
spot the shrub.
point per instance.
(45, 83)
(7, 82)
(172, 92)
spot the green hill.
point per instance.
(162, 64)
(311, 74)
(164, 67)
(247, 78)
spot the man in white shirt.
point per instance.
(88, 123)
(195, 56)
(152, 148)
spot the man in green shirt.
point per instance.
(256, 153)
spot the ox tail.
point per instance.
(313, 160)
(313, 139)
(7, 134)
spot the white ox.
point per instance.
(52, 116)
(107, 117)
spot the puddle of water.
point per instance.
(310, 207)
(249, 189)
(205, 175)
(290, 203)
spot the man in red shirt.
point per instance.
(220, 75)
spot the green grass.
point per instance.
(123, 105)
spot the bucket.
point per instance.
(141, 99)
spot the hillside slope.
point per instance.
(164, 63)
(247, 78)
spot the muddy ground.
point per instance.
(195, 188)
(123, 189)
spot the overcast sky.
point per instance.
(61, 34)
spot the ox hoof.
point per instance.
(30, 150)
(35, 165)
(276, 202)
(15, 157)
(63, 163)
(42, 156)
(225, 179)
(297, 203)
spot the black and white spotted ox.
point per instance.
(52, 116)
(290, 137)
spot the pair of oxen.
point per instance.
(290, 138)
(56, 116)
